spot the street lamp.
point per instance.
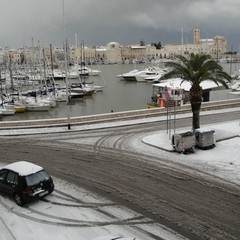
(66, 68)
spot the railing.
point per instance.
(119, 116)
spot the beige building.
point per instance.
(196, 35)
(139, 53)
(216, 47)
(113, 52)
(88, 55)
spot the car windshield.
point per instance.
(37, 177)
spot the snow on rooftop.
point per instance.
(177, 83)
(138, 47)
(23, 168)
(206, 40)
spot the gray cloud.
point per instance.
(125, 21)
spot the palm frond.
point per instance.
(196, 69)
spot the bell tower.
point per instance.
(196, 35)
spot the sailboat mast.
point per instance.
(52, 78)
(11, 77)
(51, 55)
(1, 87)
(76, 49)
(66, 68)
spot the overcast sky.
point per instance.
(98, 22)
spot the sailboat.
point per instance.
(7, 111)
(16, 106)
(81, 87)
(9, 105)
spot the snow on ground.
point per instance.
(223, 161)
(73, 213)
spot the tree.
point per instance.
(157, 45)
(142, 42)
(196, 69)
(22, 57)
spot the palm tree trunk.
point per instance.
(196, 101)
(196, 106)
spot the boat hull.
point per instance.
(20, 109)
(36, 108)
(75, 95)
(7, 112)
(17, 108)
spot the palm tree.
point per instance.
(196, 69)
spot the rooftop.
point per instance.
(177, 83)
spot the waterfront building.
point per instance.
(15, 56)
(137, 53)
(216, 47)
(2, 56)
(114, 52)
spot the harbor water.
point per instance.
(117, 96)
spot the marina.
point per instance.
(117, 95)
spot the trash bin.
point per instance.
(183, 142)
(205, 139)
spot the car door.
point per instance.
(11, 182)
(3, 175)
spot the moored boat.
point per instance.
(93, 72)
(35, 107)
(129, 76)
(19, 108)
(74, 95)
(81, 88)
(97, 88)
(62, 95)
(7, 112)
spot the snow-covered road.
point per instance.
(76, 214)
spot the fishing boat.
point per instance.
(168, 93)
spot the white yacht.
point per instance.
(149, 73)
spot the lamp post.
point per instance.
(66, 68)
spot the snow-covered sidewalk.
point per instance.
(223, 161)
(42, 130)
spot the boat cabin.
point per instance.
(165, 93)
(175, 92)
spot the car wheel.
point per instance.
(18, 199)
